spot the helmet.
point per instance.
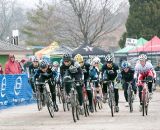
(125, 65)
(43, 64)
(109, 58)
(66, 57)
(35, 59)
(55, 63)
(78, 58)
(142, 57)
(96, 60)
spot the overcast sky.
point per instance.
(31, 3)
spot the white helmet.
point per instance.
(96, 60)
(142, 57)
(109, 58)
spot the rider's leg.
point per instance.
(80, 94)
(89, 93)
(52, 88)
(134, 87)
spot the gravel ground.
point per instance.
(29, 118)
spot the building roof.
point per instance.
(6, 48)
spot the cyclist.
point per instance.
(75, 71)
(110, 71)
(85, 67)
(144, 70)
(56, 71)
(45, 73)
(95, 75)
(127, 76)
(32, 70)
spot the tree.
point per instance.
(41, 25)
(87, 21)
(6, 15)
(143, 20)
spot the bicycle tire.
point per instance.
(130, 99)
(77, 110)
(49, 103)
(39, 101)
(86, 111)
(111, 103)
(73, 113)
(59, 94)
(143, 103)
(100, 104)
(147, 104)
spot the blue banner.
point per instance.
(14, 90)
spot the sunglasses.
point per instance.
(81, 62)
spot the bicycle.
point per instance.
(65, 100)
(145, 97)
(85, 100)
(97, 99)
(130, 96)
(74, 99)
(44, 98)
(111, 97)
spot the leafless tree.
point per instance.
(86, 21)
(6, 17)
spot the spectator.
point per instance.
(12, 67)
(21, 63)
(1, 70)
(158, 67)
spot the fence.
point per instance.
(14, 90)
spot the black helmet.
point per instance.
(109, 58)
(66, 57)
(43, 64)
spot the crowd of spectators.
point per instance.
(13, 66)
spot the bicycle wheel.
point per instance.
(100, 104)
(64, 101)
(86, 111)
(59, 93)
(74, 113)
(147, 104)
(130, 99)
(77, 110)
(39, 101)
(143, 103)
(49, 103)
(110, 101)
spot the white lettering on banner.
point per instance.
(4, 103)
(3, 87)
(18, 86)
(18, 100)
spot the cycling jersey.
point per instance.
(110, 73)
(128, 76)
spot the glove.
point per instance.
(118, 80)
(149, 78)
(110, 72)
(73, 69)
(84, 71)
